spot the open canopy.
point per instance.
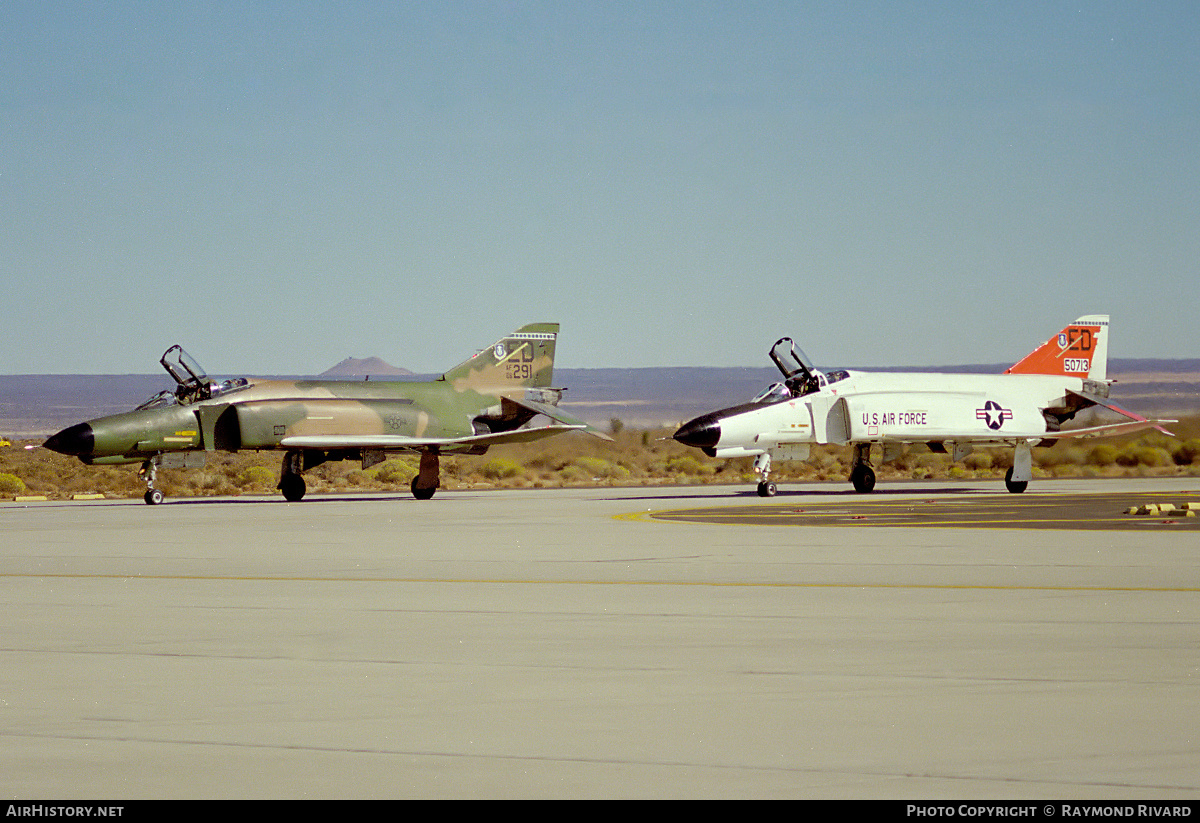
(182, 366)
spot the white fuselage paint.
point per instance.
(902, 408)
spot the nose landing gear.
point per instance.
(149, 472)
(762, 467)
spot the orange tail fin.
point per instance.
(1079, 350)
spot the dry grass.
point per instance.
(635, 458)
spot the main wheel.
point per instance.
(863, 478)
(421, 492)
(1014, 486)
(766, 489)
(292, 486)
(153, 497)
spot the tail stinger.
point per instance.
(1079, 350)
(523, 358)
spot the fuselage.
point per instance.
(259, 414)
(883, 407)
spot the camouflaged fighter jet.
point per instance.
(497, 396)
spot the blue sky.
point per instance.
(277, 186)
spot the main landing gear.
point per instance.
(291, 478)
(428, 476)
(1014, 486)
(1017, 478)
(291, 481)
(862, 476)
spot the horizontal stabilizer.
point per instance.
(1103, 402)
(1109, 429)
(557, 414)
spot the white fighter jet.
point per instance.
(1025, 406)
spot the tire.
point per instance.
(1014, 486)
(293, 487)
(420, 492)
(863, 479)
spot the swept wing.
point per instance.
(563, 422)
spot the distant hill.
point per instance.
(365, 367)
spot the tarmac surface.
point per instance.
(1139, 511)
(594, 643)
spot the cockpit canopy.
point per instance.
(800, 376)
(790, 359)
(192, 381)
(183, 367)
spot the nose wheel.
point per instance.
(149, 472)
(762, 467)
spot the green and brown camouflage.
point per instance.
(502, 394)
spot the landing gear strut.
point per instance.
(861, 474)
(149, 472)
(1016, 479)
(291, 481)
(428, 476)
(762, 467)
(291, 478)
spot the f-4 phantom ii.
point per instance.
(497, 396)
(1025, 406)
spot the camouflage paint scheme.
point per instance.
(494, 397)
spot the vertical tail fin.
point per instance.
(1079, 350)
(523, 358)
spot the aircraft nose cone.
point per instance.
(704, 432)
(77, 440)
